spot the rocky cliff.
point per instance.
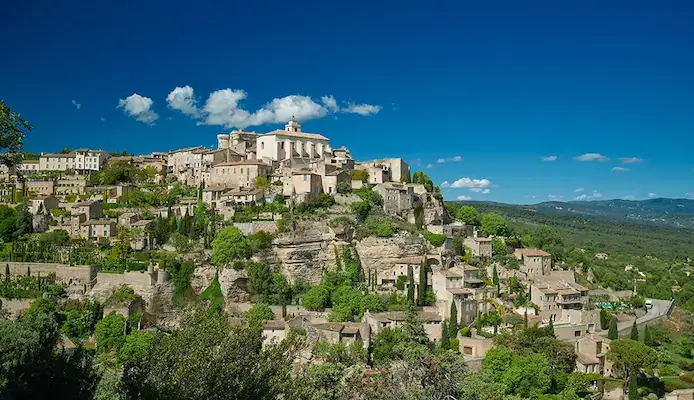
(380, 254)
(232, 282)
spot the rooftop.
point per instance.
(235, 163)
(142, 222)
(535, 253)
(97, 222)
(449, 274)
(458, 291)
(301, 135)
(274, 325)
(185, 149)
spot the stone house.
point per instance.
(127, 218)
(71, 184)
(534, 261)
(554, 297)
(93, 209)
(475, 346)
(82, 161)
(305, 186)
(333, 178)
(57, 162)
(396, 196)
(144, 240)
(397, 169)
(377, 173)
(394, 319)
(30, 167)
(274, 331)
(591, 351)
(237, 174)
(239, 141)
(389, 278)
(98, 229)
(480, 246)
(462, 286)
(40, 187)
(343, 332)
(291, 142)
(342, 159)
(43, 204)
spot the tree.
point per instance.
(135, 347)
(499, 247)
(528, 376)
(633, 390)
(496, 362)
(604, 319)
(344, 188)
(315, 298)
(468, 215)
(631, 355)
(453, 321)
(410, 286)
(24, 221)
(492, 224)
(109, 333)
(182, 366)
(495, 280)
(7, 272)
(230, 245)
(262, 184)
(384, 345)
(612, 333)
(634, 335)
(647, 337)
(421, 178)
(13, 130)
(360, 175)
(259, 313)
(445, 339)
(33, 366)
(421, 293)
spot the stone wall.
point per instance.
(132, 278)
(73, 276)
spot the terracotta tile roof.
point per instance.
(235, 163)
(351, 329)
(449, 274)
(458, 291)
(482, 239)
(330, 326)
(409, 260)
(547, 290)
(274, 325)
(585, 359)
(142, 222)
(470, 268)
(304, 135)
(535, 253)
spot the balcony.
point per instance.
(567, 300)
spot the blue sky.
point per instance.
(498, 84)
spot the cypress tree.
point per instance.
(421, 293)
(7, 272)
(525, 319)
(647, 338)
(633, 387)
(445, 338)
(550, 327)
(634, 335)
(28, 271)
(495, 281)
(612, 332)
(604, 320)
(453, 321)
(410, 286)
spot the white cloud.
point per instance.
(554, 197)
(585, 197)
(630, 160)
(620, 169)
(430, 166)
(474, 185)
(361, 109)
(139, 107)
(330, 103)
(579, 190)
(451, 159)
(76, 104)
(549, 158)
(689, 194)
(183, 99)
(102, 119)
(464, 198)
(223, 107)
(445, 184)
(651, 195)
(591, 157)
(628, 197)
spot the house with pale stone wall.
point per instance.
(237, 174)
(534, 261)
(291, 142)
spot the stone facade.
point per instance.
(534, 262)
(290, 143)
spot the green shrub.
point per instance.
(434, 238)
(384, 230)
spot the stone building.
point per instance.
(71, 184)
(42, 204)
(394, 319)
(81, 161)
(238, 173)
(334, 178)
(93, 209)
(462, 286)
(534, 261)
(480, 247)
(98, 229)
(240, 142)
(291, 142)
(397, 197)
(387, 169)
(40, 187)
(555, 296)
(591, 351)
(30, 167)
(388, 278)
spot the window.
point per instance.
(577, 333)
(262, 145)
(305, 178)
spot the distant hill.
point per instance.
(658, 227)
(677, 213)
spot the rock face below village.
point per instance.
(381, 253)
(305, 252)
(232, 282)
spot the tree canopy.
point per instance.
(230, 245)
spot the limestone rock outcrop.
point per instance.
(380, 254)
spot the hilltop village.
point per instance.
(283, 229)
